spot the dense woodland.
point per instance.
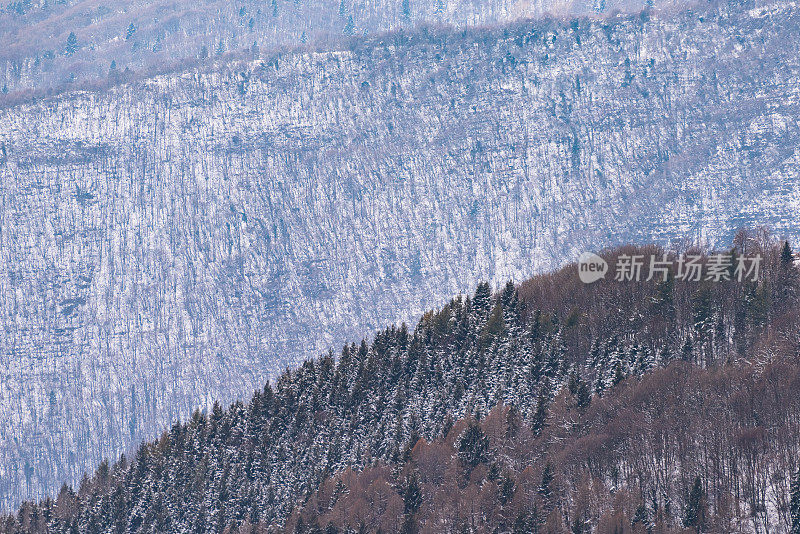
(49, 46)
(180, 240)
(549, 406)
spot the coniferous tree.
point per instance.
(695, 516)
(495, 326)
(482, 298)
(794, 504)
(409, 525)
(412, 494)
(546, 487)
(619, 374)
(687, 350)
(249, 461)
(507, 489)
(787, 255)
(539, 418)
(788, 283)
(473, 446)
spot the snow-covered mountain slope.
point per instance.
(53, 46)
(181, 239)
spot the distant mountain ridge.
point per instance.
(181, 239)
(63, 44)
(54, 46)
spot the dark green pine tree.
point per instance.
(702, 312)
(473, 446)
(482, 300)
(687, 350)
(695, 516)
(546, 488)
(619, 374)
(794, 504)
(580, 524)
(788, 283)
(507, 489)
(526, 523)
(583, 395)
(787, 256)
(539, 418)
(547, 479)
(412, 494)
(130, 31)
(511, 308)
(495, 326)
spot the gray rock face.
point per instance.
(178, 240)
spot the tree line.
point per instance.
(546, 404)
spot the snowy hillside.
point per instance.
(181, 239)
(60, 45)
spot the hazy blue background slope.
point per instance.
(177, 240)
(142, 36)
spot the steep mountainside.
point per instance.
(573, 361)
(181, 239)
(56, 45)
(642, 459)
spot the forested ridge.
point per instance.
(547, 406)
(168, 242)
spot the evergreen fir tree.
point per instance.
(539, 419)
(687, 350)
(695, 507)
(473, 446)
(788, 283)
(787, 255)
(794, 504)
(412, 494)
(619, 374)
(482, 299)
(495, 326)
(546, 487)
